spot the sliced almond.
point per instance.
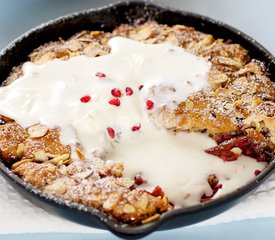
(128, 208)
(62, 157)
(125, 182)
(189, 105)
(151, 219)
(37, 131)
(68, 161)
(56, 188)
(44, 58)
(142, 202)
(59, 163)
(40, 156)
(117, 170)
(17, 164)
(80, 154)
(228, 106)
(143, 33)
(20, 150)
(238, 103)
(111, 202)
(50, 155)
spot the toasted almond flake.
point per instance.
(51, 169)
(111, 202)
(142, 202)
(17, 164)
(128, 208)
(37, 131)
(150, 219)
(20, 150)
(63, 169)
(56, 188)
(62, 157)
(125, 182)
(228, 106)
(166, 205)
(40, 156)
(45, 58)
(272, 139)
(117, 170)
(68, 161)
(238, 103)
(236, 150)
(80, 154)
(51, 155)
(143, 33)
(59, 163)
(189, 105)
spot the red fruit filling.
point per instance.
(140, 87)
(215, 190)
(223, 137)
(116, 92)
(111, 132)
(158, 192)
(115, 102)
(85, 99)
(136, 128)
(129, 91)
(149, 104)
(100, 75)
(223, 150)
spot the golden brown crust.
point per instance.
(91, 182)
(39, 175)
(11, 135)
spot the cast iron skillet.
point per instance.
(108, 18)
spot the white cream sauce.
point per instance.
(50, 94)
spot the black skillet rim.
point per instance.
(109, 222)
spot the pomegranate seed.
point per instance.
(116, 92)
(100, 75)
(115, 102)
(140, 87)
(136, 128)
(85, 99)
(257, 172)
(158, 192)
(149, 104)
(111, 132)
(129, 91)
(139, 179)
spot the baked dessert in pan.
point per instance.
(236, 110)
